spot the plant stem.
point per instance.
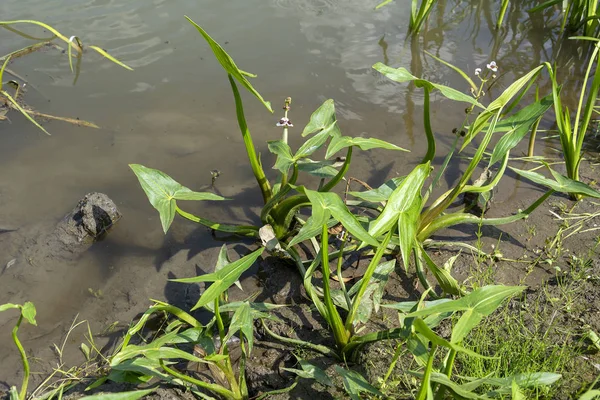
(336, 179)
(339, 270)
(326, 351)
(448, 372)
(15, 338)
(204, 385)
(220, 325)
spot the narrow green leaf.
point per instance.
(223, 278)
(457, 389)
(342, 142)
(484, 300)
(455, 69)
(408, 223)
(163, 191)
(111, 58)
(446, 281)
(315, 142)
(242, 321)
(562, 183)
(421, 327)
(465, 324)
(222, 261)
(402, 75)
(401, 199)
(229, 65)
(323, 117)
(23, 111)
(133, 395)
(383, 3)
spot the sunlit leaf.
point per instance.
(408, 223)
(163, 191)
(242, 321)
(329, 204)
(561, 184)
(421, 327)
(378, 280)
(8, 306)
(442, 275)
(323, 117)
(517, 126)
(222, 279)
(29, 312)
(355, 384)
(315, 142)
(222, 261)
(342, 142)
(401, 200)
(382, 193)
(402, 75)
(229, 65)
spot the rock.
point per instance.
(91, 218)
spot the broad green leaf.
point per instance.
(152, 353)
(365, 308)
(484, 300)
(525, 380)
(401, 199)
(242, 321)
(8, 306)
(163, 191)
(310, 371)
(408, 223)
(222, 279)
(465, 324)
(229, 65)
(442, 275)
(342, 142)
(355, 384)
(315, 142)
(320, 169)
(382, 193)
(590, 395)
(402, 75)
(326, 204)
(133, 395)
(561, 184)
(409, 306)
(517, 126)
(29, 312)
(323, 117)
(285, 159)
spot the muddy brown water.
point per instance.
(175, 113)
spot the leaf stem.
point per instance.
(15, 338)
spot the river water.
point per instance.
(175, 112)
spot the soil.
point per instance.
(524, 255)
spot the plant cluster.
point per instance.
(398, 219)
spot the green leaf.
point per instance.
(8, 306)
(315, 142)
(457, 389)
(310, 371)
(133, 395)
(402, 75)
(379, 280)
(408, 223)
(222, 261)
(229, 65)
(421, 327)
(590, 395)
(516, 393)
(355, 384)
(383, 3)
(29, 312)
(329, 204)
(442, 275)
(285, 159)
(323, 117)
(342, 142)
(562, 183)
(382, 193)
(163, 191)
(222, 279)
(517, 126)
(401, 200)
(484, 300)
(320, 169)
(513, 89)
(242, 321)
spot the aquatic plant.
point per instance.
(572, 132)
(26, 311)
(577, 14)
(75, 50)
(232, 321)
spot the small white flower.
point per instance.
(477, 71)
(285, 122)
(493, 66)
